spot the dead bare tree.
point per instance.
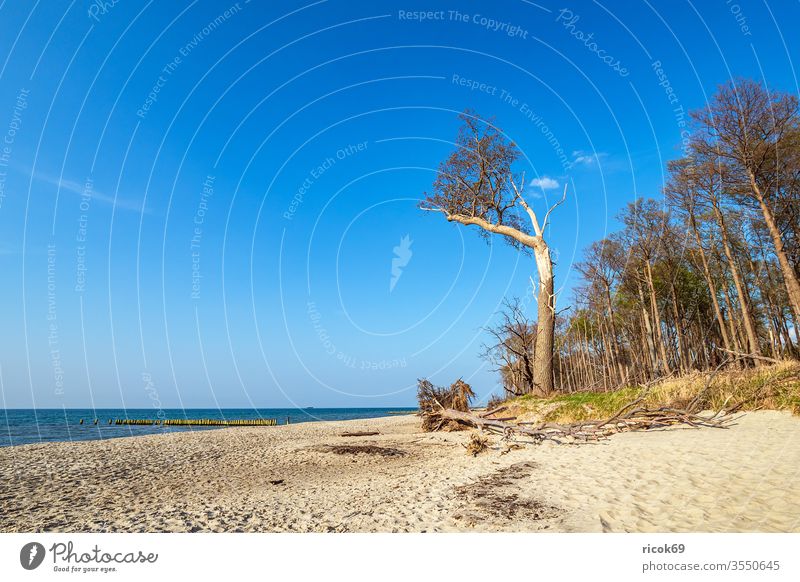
(513, 348)
(476, 186)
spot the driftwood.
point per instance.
(433, 398)
(635, 415)
(477, 444)
(629, 418)
(359, 433)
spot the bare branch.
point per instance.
(519, 236)
(553, 207)
(518, 197)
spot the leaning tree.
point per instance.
(476, 186)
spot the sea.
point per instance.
(29, 426)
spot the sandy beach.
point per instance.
(306, 478)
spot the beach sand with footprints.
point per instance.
(310, 478)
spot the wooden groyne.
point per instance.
(191, 422)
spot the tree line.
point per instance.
(705, 275)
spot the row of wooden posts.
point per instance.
(193, 422)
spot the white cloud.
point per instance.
(582, 158)
(545, 183)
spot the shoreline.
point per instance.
(25, 426)
(307, 477)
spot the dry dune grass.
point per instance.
(775, 387)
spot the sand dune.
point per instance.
(294, 478)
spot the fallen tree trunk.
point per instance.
(627, 419)
(633, 416)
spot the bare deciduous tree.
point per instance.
(754, 132)
(513, 348)
(708, 273)
(476, 186)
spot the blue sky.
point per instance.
(200, 202)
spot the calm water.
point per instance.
(26, 426)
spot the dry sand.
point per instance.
(287, 478)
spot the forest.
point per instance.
(701, 276)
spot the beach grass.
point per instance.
(773, 387)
